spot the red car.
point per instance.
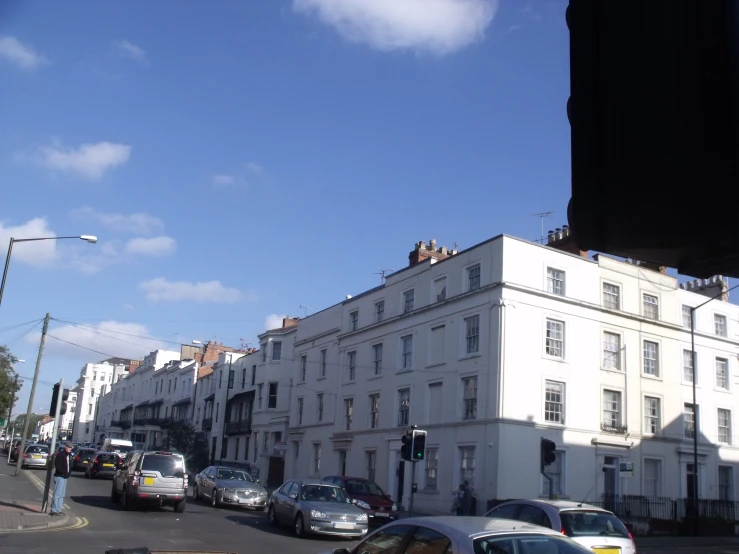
(368, 496)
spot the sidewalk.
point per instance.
(20, 502)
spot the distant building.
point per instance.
(95, 380)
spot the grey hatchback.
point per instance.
(154, 477)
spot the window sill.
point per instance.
(724, 391)
(468, 356)
(428, 491)
(612, 370)
(349, 382)
(554, 358)
(374, 377)
(320, 378)
(405, 370)
(435, 364)
(650, 376)
(690, 384)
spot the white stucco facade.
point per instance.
(95, 380)
(505, 343)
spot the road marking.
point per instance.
(79, 523)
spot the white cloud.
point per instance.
(160, 289)
(273, 321)
(89, 160)
(254, 167)
(155, 246)
(37, 253)
(436, 26)
(106, 337)
(21, 55)
(223, 179)
(138, 223)
(130, 50)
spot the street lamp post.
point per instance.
(88, 238)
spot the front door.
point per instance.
(610, 481)
(275, 471)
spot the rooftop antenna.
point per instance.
(542, 216)
(305, 310)
(382, 273)
(244, 344)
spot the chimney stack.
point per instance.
(562, 239)
(421, 252)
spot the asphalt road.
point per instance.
(199, 528)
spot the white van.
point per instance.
(119, 446)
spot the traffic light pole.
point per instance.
(413, 487)
(52, 446)
(29, 411)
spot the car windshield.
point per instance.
(87, 452)
(166, 464)
(588, 523)
(108, 458)
(323, 493)
(528, 544)
(362, 487)
(234, 475)
(121, 449)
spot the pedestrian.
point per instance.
(463, 500)
(62, 470)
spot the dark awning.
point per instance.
(183, 402)
(127, 408)
(157, 402)
(144, 403)
(210, 397)
(241, 396)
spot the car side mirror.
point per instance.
(292, 495)
(257, 480)
(354, 500)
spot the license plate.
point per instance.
(242, 501)
(107, 465)
(149, 481)
(607, 550)
(344, 525)
(381, 514)
(36, 456)
(85, 461)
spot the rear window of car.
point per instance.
(87, 452)
(107, 458)
(360, 486)
(37, 450)
(527, 544)
(166, 464)
(588, 523)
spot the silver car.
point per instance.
(316, 507)
(226, 485)
(593, 527)
(464, 535)
(36, 455)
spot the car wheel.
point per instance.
(258, 509)
(271, 517)
(214, 498)
(180, 506)
(195, 492)
(114, 495)
(299, 528)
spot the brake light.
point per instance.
(563, 532)
(25, 455)
(135, 480)
(77, 458)
(632, 541)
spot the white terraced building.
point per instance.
(495, 347)
(95, 380)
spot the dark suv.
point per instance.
(368, 496)
(83, 458)
(154, 477)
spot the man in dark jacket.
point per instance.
(62, 470)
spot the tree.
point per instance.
(10, 384)
(20, 421)
(181, 437)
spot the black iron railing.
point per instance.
(652, 507)
(611, 428)
(207, 423)
(238, 427)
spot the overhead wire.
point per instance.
(24, 333)
(101, 331)
(11, 327)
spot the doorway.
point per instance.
(610, 481)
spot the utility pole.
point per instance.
(52, 446)
(29, 411)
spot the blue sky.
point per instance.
(240, 159)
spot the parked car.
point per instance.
(316, 507)
(590, 526)
(35, 455)
(82, 458)
(465, 535)
(104, 464)
(156, 477)
(15, 449)
(226, 485)
(368, 496)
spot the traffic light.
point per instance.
(418, 445)
(405, 449)
(55, 398)
(655, 131)
(548, 457)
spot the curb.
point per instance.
(58, 522)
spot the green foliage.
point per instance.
(9, 385)
(21, 420)
(181, 437)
